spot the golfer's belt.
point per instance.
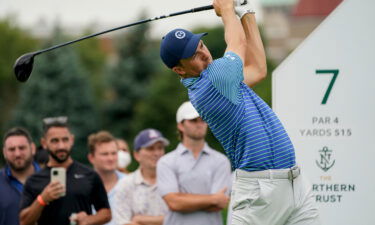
(290, 173)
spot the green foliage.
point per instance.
(13, 43)
(158, 109)
(132, 92)
(58, 86)
(214, 40)
(129, 79)
(93, 59)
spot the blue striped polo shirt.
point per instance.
(247, 128)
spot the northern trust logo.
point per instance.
(180, 34)
(326, 161)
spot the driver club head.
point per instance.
(23, 66)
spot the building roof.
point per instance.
(315, 7)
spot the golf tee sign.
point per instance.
(324, 94)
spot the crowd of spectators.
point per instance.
(189, 185)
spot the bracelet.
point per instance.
(41, 201)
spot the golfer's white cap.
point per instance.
(186, 112)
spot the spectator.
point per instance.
(18, 151)
(103, 156)
(41, 157)
(194, 179)
(124, 157)
(42, 201)
(137, 201)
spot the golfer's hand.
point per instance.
(221, 199)
(52, 191)
(221, 6)
(241, 10)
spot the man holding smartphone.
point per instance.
(46, 202)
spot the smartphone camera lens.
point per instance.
(55, 173)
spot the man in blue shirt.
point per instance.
(18, 151)
(267, 187)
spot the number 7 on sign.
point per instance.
(335, 74)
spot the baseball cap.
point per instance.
(186, 112)
(178, 44)
(148, 137)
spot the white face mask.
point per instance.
(124, 159)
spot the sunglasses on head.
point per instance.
(55, 121)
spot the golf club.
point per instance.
(24, 64)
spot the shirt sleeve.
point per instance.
(122, 202)
(222, 176)
(166, 177)
(28, 196)
(99, 195)
(226, 75)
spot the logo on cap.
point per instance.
(153, 134)
(180, 34)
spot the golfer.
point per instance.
(268, 186)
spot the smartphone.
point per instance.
(59, 174)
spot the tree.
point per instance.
(158, 109)
(94, 60)
(129, 79)
(58, 86)
(13, 43)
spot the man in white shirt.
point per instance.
(137, 201)
(193, 179)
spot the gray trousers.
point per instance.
(272, 197)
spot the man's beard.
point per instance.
(59, 159)
(24, 166)
(196, 137)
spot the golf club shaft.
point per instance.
(198, 9)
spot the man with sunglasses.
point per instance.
(44, 202)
